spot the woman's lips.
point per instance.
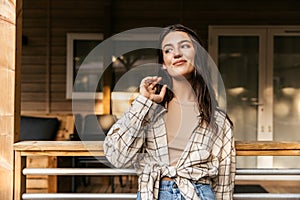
(179, 62)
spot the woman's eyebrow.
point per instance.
(180, 42)
(183, 41)
(166, 45)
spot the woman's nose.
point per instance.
(177, 53)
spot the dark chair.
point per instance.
(96, 126)
(38, 128)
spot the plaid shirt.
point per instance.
(138, 139)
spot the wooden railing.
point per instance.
(78, 148)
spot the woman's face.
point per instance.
(178, 54)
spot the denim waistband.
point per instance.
(164, 184)
(200, 181)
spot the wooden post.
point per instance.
(19, 187)
(18, 53)
(19, 179)
(8, 77)
(52, 180)
(107, 79)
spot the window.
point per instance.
(127, 57)
(79, 45)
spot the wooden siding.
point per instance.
(45, 25)
(46, 22)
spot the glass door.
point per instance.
(260, 67)
(285, 59)
(238, 54)
(238, 63)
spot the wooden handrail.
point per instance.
(267, 145)
(267, 148)
(243, 148)
(58, 146)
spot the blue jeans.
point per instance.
(168, 190)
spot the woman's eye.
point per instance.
(168, 50)
(185, 46)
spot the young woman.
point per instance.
(174, 133)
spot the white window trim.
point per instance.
(70, 50)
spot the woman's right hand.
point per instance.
(148, 89)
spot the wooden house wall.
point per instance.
(46, 22)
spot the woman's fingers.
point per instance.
(150, 82)
(163, 91)
(155, 81)
(158, 98)
(148, 89)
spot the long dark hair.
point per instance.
(200, 81)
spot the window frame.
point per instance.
(71, 38)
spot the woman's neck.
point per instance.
(183, 90)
